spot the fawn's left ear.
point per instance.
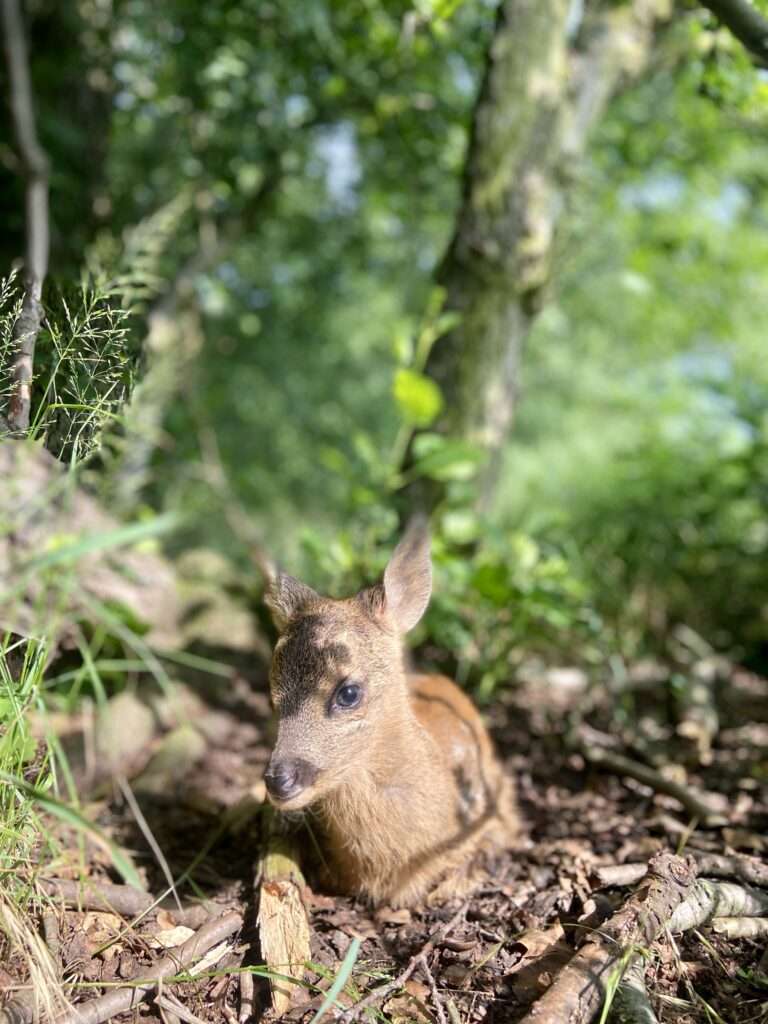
(408, 577)
(286, 597)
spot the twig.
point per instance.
(246, 997)
(741, 927)
(52, 938)
(581, 986)
(632, 1005)
(118, 1000)
(433, 989)
(383, 991)
(699, 806)
(709, 900)
(697, 707)
(168, 1002)
(609, 875)
(35, 168)
(748, 870)
(119, 899)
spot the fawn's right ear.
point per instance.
(285, 597)
(408, 577)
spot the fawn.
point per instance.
(398, 767)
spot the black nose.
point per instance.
(286, 779)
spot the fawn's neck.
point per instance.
(392, 808)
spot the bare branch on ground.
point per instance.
(709, 900)
(748, 870)
(119, 899)
(145, 984)
(705, 807)
(580, 988)
(632, 1004)
(741, 927)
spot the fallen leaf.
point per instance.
(170, 937)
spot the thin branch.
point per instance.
(713, 865)
(709, 900)
(120, 899)
(745, 22)
(740, 927)
(390, 987)
(581, 987)
(704, 807)
(120, 999)
(632, 1004)
(34, 164)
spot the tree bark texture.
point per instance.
(35, 168)
(549, 75)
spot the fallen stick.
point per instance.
(127, 998)
(390, 987)
(709, 900)
(746, 869)
(118, 899)
(580, 988)
(741, 927)
(283, 924)
(699, 805)
(19, 1009)
(632, 1004)
(246, 997)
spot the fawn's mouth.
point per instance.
(295, 801)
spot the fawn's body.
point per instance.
(399, 768)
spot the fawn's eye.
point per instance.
(347, 696)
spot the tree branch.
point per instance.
(118, 1000)
(580, 989)
(745, 22)
(34, 164)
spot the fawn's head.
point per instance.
(337, 676)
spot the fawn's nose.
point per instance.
(286, 779)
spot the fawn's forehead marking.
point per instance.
(308, 658)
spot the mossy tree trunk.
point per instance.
(552, 66)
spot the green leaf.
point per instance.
(418, 397)
(450, 460)
(340, 981)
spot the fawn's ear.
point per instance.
(408, 577)
(285, 597)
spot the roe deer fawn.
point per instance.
(398, 767)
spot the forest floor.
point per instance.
(195, 756)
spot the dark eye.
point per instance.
(348, 696)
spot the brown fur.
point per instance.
(408, 790)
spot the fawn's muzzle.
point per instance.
(286, 779)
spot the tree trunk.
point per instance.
(548, 77)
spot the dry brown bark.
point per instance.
(580, 989)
